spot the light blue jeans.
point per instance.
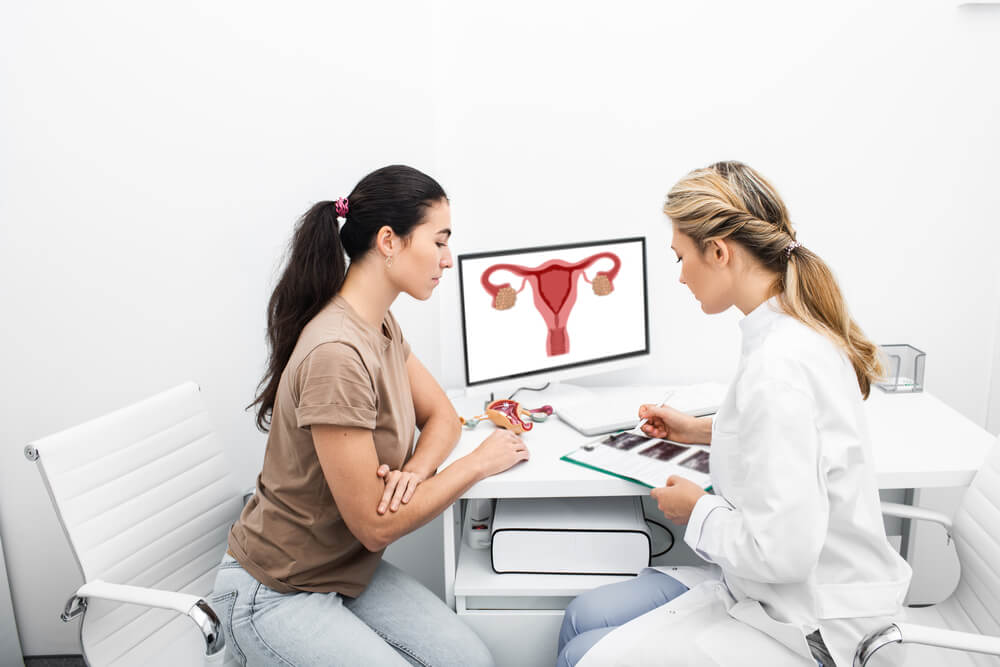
(395, 621)
(597, 612)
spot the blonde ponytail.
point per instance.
(729, 200)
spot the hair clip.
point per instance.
(790, 247)
(341, 206)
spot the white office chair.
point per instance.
(146, 499)
(968, 622)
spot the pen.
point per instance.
(670, 394)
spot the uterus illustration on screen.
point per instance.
(554, 285)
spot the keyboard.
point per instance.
(610, 409)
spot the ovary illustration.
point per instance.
(554, 288)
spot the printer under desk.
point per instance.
(570, 536)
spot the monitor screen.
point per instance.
(532, 310)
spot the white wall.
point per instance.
(10, 646)
(152, 162)
(875, 120)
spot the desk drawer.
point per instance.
(527, 638)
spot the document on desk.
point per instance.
(648, 461)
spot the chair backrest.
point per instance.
(976, 530)
(146, 498)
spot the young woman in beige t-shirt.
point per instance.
(303, 581)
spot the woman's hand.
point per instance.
(399, 487)
(677, 499)
(665, 422)
(501, 450)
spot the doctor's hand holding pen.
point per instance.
(662, 421)
(677, 499)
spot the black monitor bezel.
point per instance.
(562, 246)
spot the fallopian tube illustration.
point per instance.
(554, 286)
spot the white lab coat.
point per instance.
(794, 526)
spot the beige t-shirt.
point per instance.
(342, 372)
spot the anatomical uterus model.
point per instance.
(554, 287)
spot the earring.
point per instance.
(388, 261)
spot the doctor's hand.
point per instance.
(665, 422)
(399, 487)
(677, 499)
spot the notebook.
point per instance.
(608, 409)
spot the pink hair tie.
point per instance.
(342, 207)
(790, 247)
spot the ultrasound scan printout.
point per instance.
(648, 461)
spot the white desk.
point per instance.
(918, 441)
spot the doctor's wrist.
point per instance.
(702, 431)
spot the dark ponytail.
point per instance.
(396, 196)
(315, 272)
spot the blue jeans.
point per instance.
(395, 621)
(596, 613)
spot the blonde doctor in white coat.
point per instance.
(798, 567)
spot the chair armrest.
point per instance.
(911, 512)
(910, 633)
(147, 597)
(192, 606)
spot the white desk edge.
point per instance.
(917, 442)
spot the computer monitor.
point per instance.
(554, 312)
